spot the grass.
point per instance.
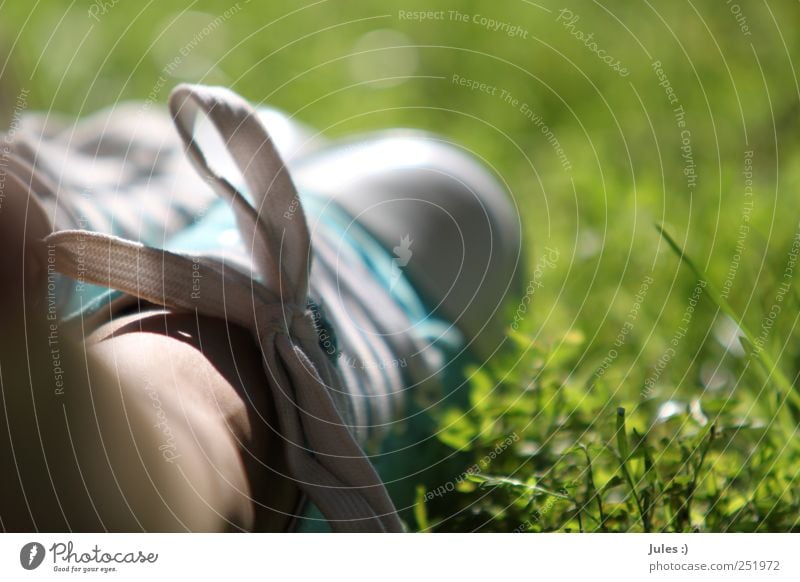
(644, 390)
(711, 464)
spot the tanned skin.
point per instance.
(160, 421)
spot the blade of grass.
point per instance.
(421, 510)
(703, 447)
(487, 481)
(710, 433)
(624, 454)
(591, 489)
(649, 477)
(761, 354)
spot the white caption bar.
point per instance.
(399, 557)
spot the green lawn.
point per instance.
(626, 401)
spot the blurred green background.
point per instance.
(347, 66)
